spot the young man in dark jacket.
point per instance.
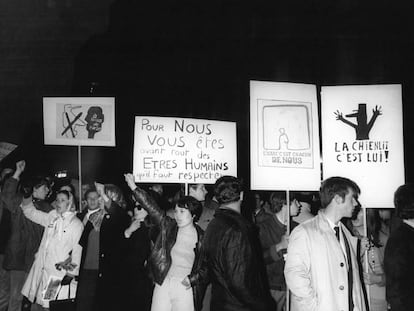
(25, 235)
(232, 252)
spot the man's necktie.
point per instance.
(350, 275)
(336, 228)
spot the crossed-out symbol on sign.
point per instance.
(71, 124)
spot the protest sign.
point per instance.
(79, 121)
(182, 150)
(284, 136)
(362, 135)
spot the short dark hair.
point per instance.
(404, 201)
(336, 186)
(91, 189)
(65, 192)
(39, 181)
(227, 189)
(194, 206)
(277, 200)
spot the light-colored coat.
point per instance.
(316, 268)
(61, 236)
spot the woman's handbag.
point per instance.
(63, 304)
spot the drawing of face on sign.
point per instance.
(94, 119)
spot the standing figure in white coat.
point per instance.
(59, 252)
(321, 267)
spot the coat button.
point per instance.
(102, 255)
(341, 287)
(341, 264)
(100, 275)
(107, 216)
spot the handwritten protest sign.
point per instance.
(362, 136)
(79, 121)
(284, 136)
(182, 150)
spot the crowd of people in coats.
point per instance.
(223, 249)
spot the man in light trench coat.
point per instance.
(321, 266)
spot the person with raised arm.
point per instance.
(25, 235)
(175, 254)
(60, 241)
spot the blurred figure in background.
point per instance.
(5, 230)
(138, 286)
(399, 253)
(274, 240)
(306, 210)
(373, 246)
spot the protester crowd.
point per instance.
(223, 249)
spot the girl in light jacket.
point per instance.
(59, 244)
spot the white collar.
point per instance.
(330, 222)
(90, 212)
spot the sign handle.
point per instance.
(288, 232)
(80, 176)
(366, 261)
(186, 189)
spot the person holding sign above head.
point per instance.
(321, 268)
(176, 253)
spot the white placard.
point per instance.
(362, 135)
(5, 149)
(79, 121)
(182, 150)
(284, 136)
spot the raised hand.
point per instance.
(20, 166)
(186, 283)
(100, 188)
(365, 244)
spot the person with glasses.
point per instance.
(176, 253)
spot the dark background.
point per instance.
(188, 59)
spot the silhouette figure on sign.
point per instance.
(362, 128)
(71, 120)
(283, 139)
(94, 118)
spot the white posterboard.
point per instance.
(284, 136)
(5, 149)
(79, 121)
(182, 150)
(362, 135)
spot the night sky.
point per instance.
(187, 59)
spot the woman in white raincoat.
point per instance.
(60, 241)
